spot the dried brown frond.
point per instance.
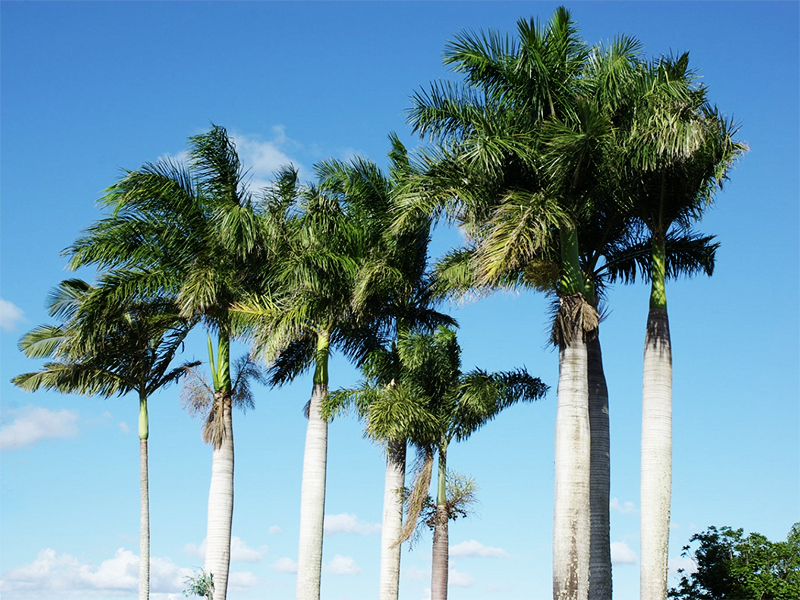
(575, 318)
(416, 500)
(214, 429)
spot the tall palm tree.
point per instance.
(679, 153)
(525, 152)
(103, 350)
(325, 235)
(193, 233)
(394, 291)
(434, 404)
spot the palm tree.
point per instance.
(434, 404)
(193, 233)
(101, 349)
(394, 291)
(325, 234)
(525, 155)
(680, 152)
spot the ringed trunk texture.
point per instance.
(600, 585)
(144, 527)
(312, 500)
(220, 505)
(441, 543)
(392, 519)
(656, 478)
(571, 518)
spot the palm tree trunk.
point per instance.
(600, 585)
(571, 518)
(312, 494)
(144, 483)
(392, 519)
(220, 503)
(656, 484)
(441, 549)
(656, 478)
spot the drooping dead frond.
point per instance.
(196, 395)
(416, 499)
(214, 429)
(575, 317)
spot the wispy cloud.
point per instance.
(460, 579)
(349, 523)
(626, 508)
(275, 530)
(263, 157)
(475, 548)
(682, 562)
(240, 551)
(621, 554)
(415, 573)
(343, 565)
(284, 565)
(11, 315)
(33, 423)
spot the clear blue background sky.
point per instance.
(91, 88)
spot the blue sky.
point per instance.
(88, 89)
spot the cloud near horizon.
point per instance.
(349, 523)
(626, 508)
(31, 424)
(343, 565)
(240, 551)
(475, 548)
(621, 554)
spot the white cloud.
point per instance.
(621, 554)
(275, 530)
(475, 548)
(240, 551)
(10, 315)
(414, 573)
(460, 579)
(53, 573)
(349, 523)
(284, 565)
(33, 423)
(627, 507)
(343, 565)
(123, 427)
(264, 158)
(682, 562)
(241, 581)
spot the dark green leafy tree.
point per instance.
(732, 566)
(106, 349)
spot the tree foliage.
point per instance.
(732, 566)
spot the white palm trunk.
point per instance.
(144, 485)
(220, 508)
(312, 499)
(144, 528)
(600, 584)
(392, 520)
(440, 563)
(571, 529)
(656, 482)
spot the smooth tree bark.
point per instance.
(600, 583)
(144, 482)
(441, 549)
(656, 476)
(392, 519)
(571, 513)
(312, 494)
(220, 504)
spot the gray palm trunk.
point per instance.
(220, 504)
(441, 544)
(312, 499)
(656, 482)
(600, 586)
(392, 520)
(144, 482)
(571, 518)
